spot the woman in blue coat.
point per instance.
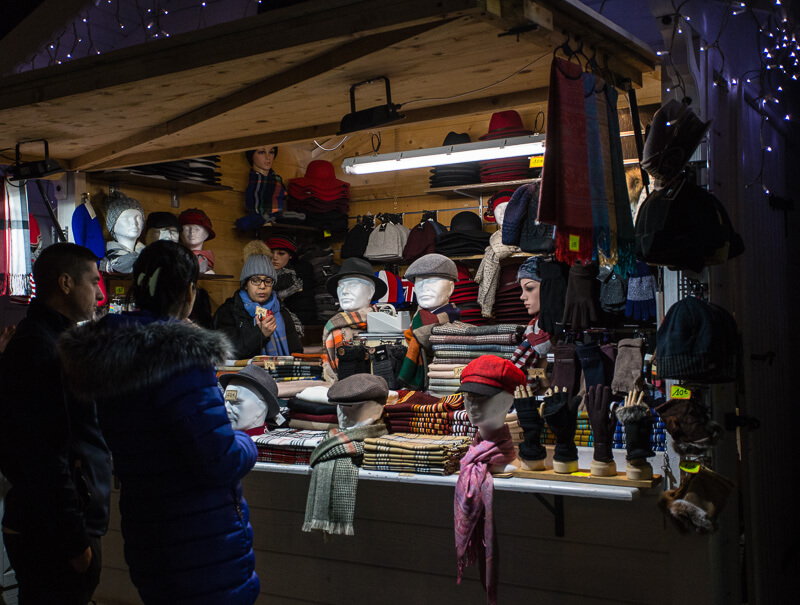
(184, 521)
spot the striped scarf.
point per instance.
(601, 237)
(340, 328)
(15, 261)
(536, 342)
(265, 195)
(412, 372)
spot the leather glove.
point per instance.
(561, 416)
(641, 303)
(579, 305)
(602, 421)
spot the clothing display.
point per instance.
(415, 453)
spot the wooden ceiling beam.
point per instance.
(276, 30)
(413, 116)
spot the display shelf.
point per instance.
(475, 190)
(143, 180)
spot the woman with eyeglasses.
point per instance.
(254, 318)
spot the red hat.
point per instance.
(281, 243)
(505, 124)
(489, 374)
(320, 175)
(501, 197)
(195, 216)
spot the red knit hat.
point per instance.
(281, 243)
(195, 216)
(489, 374)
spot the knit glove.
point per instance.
(532, 425)
(552, 291)
(641, 302)
(561, 416)
(579, 303)
(602, 421)
(613, 294)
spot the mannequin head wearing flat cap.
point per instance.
(355, 286)
(251, 397)
(359, 400)
(434, 277)
(162, 225)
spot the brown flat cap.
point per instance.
(359, 388)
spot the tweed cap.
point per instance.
(257, 264)
(118, 203)
(529, 269)
(490, 374)
(359, 388)
(432, 265)
(261, 381)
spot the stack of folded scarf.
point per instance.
(418, 412)
(289, 368)
(310, 409)
(414, 453)
(287, 446)
(512, 422)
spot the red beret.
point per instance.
(490, 374)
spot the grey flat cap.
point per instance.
(432, 265)
(359, 388)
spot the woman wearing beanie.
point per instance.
(254, 318)
(184, 521)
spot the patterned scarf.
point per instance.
(340, 328)
(488, 274)
(412, 372)
(608, 182)
(265, 194)
(597, 188)
(277, 344)
(331, 498)
(15, 256)
(536, 342)
(565, 197)
(472, 508)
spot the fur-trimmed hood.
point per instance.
(114, 357)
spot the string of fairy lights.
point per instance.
(778, 57)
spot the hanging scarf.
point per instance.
(601, 235)
(608, 182)
(565, 198)
(15, 262)
(626, 235)
(265, 195)
(488, 273)
(331, 499)
(412, 372)
(535, 343)
(473, 508)
(277, 345)
(340, 328)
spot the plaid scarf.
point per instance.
(601, 237)
(340, 328)
(15, 259)
(488, 273)
(277, 345)
(412, 372)
(536, 342)
(265, 194)
(472, 508)
(565, 196)
(331, 498)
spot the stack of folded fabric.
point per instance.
(456, 174)
(310, 409)
(288, 368)
(502, 125)
(508, 308)
(465, 296)
(418, 412)
(324, 199)
(321, 259)
(466, 236)
(517, 436)
(287, 446)
(414, 453)
(583, 432)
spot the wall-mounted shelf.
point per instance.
(143, 180)
(476, 190)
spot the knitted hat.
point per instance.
(359, 388)
(355, 243)
(490, 374)
(195, 216)
(118, 203)
(259, 379)
(421, 240)
(257, 264)
(432, 265)
(529, 269)
(356, 267)
(282, 243)
(161, 220)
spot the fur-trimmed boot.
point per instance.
(698, 501)
(531, 451)
(603, 422)
(638, 423)
(561, 416)
(688, 424)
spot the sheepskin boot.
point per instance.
(697, 502)
(561, 416)
(531, 451)
(603, 422)
(637, 421)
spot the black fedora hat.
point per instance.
(356, 267)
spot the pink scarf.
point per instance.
(472, 507)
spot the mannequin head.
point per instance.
(196, 228)
(361, 414)
(359, 399)
(488, 384)
(246, 409)
(280, 258)
(284, 249)
(433, 292)
(529, 280)
(162, 225)
(499, 213)
(261, 158)
(355, 293)
(488, 412)
(193, 236)
(124, 219)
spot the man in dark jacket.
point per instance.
(51, 448)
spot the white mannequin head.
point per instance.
(247, 410)
(355, 293)
(360, 414)
(128, 227)
(193, 236)
(488, 412)
(499, 213)
(433, 292)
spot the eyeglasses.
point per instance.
(257, 281)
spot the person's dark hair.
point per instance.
(249, 154)
(160, 276)
(57, 259)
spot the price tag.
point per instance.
(269, 365)
(326, 233)
(230, 394)
(536, 373)
(676, 391)
(261, 312)
(690, 467)
(405, 474)
(574, 243)
(537, 161)
(280, 420)
(581, 474)
(457, 371)
(119, 289)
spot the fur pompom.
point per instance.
(255, 247)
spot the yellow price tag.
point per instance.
(536, 373)
(119, 289)
(676, 391)
(690, 467)
(269, 365)
(457, 371)
(537, 161)
(574, 243)
(326, 233)
(230, 394)
(581, 474)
